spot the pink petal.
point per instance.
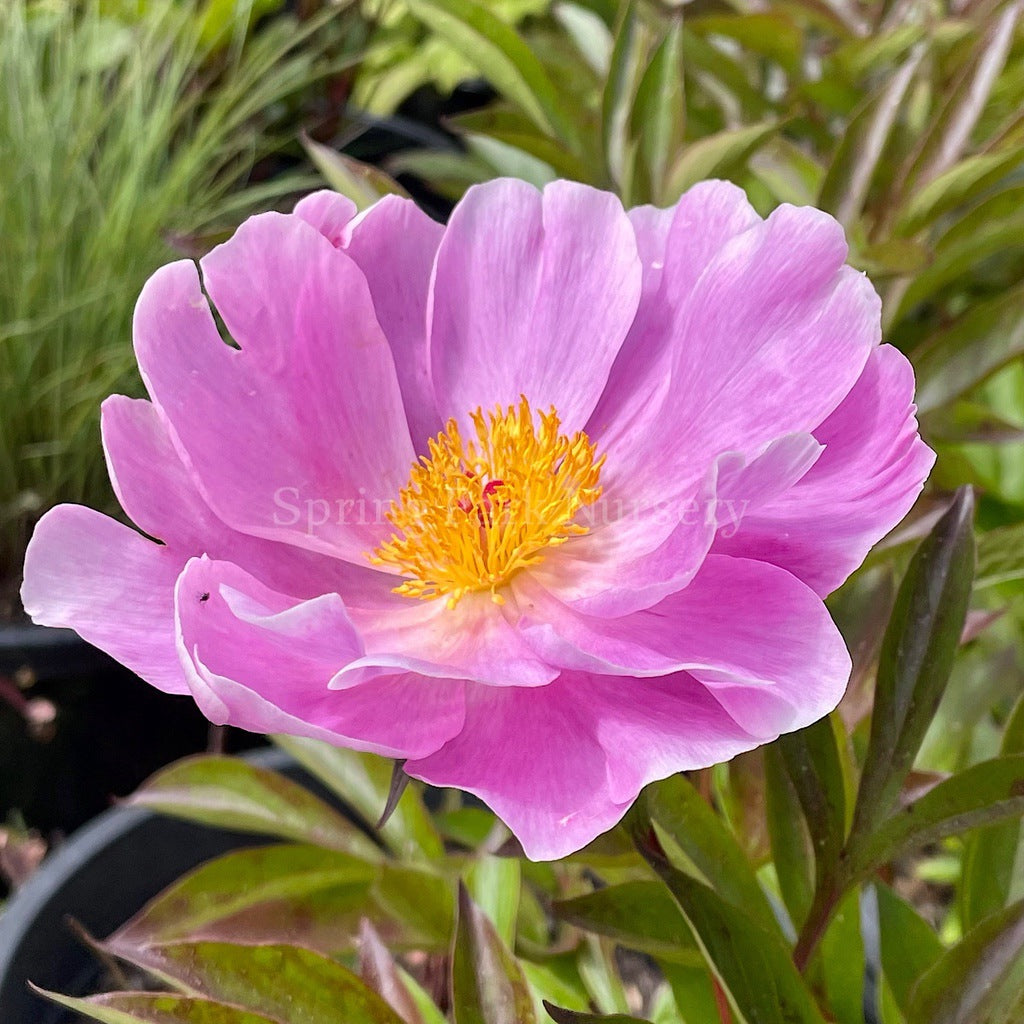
(328, 212)
(473, 640)
(86, 572)
(394, 244)
(871, 472)
(161, 496)
(773, 336)
(287, 441)
(675, 247)
(533, 756)
(533, 294)
(756, 636)
(258, 660)
(652, 728)
(560, 764)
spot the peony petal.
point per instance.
(160, 495)
(652, 728)
(394, 244)
(113, 587)
(288, 442)
(774, 335)
(533, 756)
(533, 294)
(872, 470)
(329, 212)
(760, 639)
(473, 640)
(675, 246)
(560, 764)
(259, 660)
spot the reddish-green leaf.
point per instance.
(234, 794)
(286, 983)
(488, 986)
(289, 893)
(157, 1008)
(981, 979)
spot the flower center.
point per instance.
(475, 512)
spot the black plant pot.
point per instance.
(111, 729)
(101, 877)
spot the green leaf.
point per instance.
(560, 1015)
(984, 339)
(697, 841)
(363, 782)
(792, 852)
(992, 228)
(284, 983)
(950, 129)
(155, 1008)
(916, 658)
(1000, 556)
(909, 944)
(232, 794)
(979, 979)
(501, 56)
(640, 914)
(716, 156)
(420, 898)
(812, 760)
(992, 854)
(300, 893)
(753, 964)
(494, 883)
(983, 794)
(965, 180)
(488, 986)
(659, 114)
(617, 100)
(843, 962)
(363, 183)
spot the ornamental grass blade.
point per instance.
(285, 983)
(155, 1008)
(979, 979)
(292, 893)
(230, 793)
(916, 658)
(487, 984)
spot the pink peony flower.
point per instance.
(545, 502)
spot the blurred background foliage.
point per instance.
(904, 119)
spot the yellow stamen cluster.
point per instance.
(476, 512)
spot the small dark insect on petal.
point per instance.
(204, 597)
